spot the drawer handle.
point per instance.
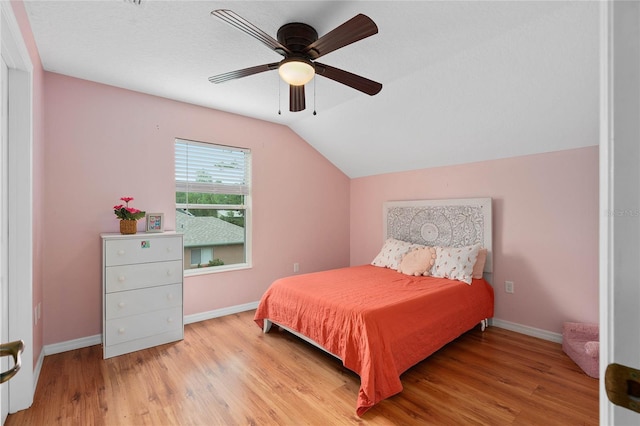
(170, 320)
(169, 296)
(121, 305)
(121, 278)
(121, 330)
(169, 249)
(169, 272)
(120, 252)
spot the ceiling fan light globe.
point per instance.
(296, 72)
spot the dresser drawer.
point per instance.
(141, 250)
(131, 277)
(133, 302)
(126, 329)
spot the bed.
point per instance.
(380, 322)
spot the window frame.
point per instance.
(246, 206)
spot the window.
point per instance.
(201, 256)
(213, 201)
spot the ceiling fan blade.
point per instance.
(243, 25)
(356, 28)
(221, 78)
(355, 81)
(296, 98)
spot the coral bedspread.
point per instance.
(378, 321)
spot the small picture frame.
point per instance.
(155, 222)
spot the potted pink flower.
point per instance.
(128, 216)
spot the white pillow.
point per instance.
(455, 263)
(391, 253)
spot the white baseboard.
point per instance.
(525, 329)
(84, 342)
(70, 345)
(37, 369)
(203, 316)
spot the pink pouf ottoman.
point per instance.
(581, 342)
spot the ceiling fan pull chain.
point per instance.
(314, 97)
(279, 111)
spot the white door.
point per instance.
(620, 206)
(18, 208)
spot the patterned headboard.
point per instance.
(445, 223)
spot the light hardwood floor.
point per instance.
(226, 372)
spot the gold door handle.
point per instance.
(14, 349)
(622, 384)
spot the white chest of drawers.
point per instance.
(142, 294)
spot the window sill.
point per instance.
(216, 269)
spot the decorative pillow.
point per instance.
(418, 262)
(391, 253)
(456, 263)
(478, 268)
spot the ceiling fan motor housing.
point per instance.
(297, 36)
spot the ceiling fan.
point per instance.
(300, 46)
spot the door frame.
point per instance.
(20, 203)
(606, 205)
(4, 289)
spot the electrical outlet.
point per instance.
(296, 267)
(508, 286)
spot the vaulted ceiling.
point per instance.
(463, 81)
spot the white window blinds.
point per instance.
(208, 168)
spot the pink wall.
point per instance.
(545, 228)
(38, 168)
(104, 143)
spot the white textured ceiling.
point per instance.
(463, 81)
